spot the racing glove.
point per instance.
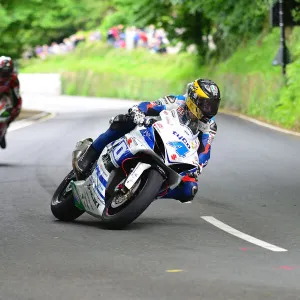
(138, 117)
(196, 173)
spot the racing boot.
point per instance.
(185, 191)
(3, 143)
(84, 158)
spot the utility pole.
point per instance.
(283, 56)
(282, 37)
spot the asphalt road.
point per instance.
(252, 184)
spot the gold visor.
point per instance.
(193, 108)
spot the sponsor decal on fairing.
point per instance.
(182, 138)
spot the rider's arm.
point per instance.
(155, 107)
(17, 100)
(206, 138)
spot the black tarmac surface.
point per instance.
(252, 183)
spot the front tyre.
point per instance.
(62, 204)
(149, 187)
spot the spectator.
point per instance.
(118, 36)
(54, 49)
(45, 52)
(136, 38)
(143, 37)
(95, 36)
(129, 37)
(38, 50)
(69, 44)
(150, 31)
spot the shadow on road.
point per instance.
(8, 165)
(140, 224)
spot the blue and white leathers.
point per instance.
(207, 128)
(180, 147)
(207, 132)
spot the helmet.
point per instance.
(6, 68)
(203, 98)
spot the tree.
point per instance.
(30, 22)
(229, 21)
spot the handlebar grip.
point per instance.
(149, 122)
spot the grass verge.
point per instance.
(248, 81)
(25, 114)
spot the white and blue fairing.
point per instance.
(179, 141)
(180, 148)
(126, 147)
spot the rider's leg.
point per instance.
(185, 191)
(3, 142)
(3, 131)
(116, 130)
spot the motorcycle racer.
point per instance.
(9, 83)
(196, 109)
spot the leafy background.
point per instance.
(241, 63)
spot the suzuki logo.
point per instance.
(180, 137)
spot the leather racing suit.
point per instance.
(12, 87)
(207, 131)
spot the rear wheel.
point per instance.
(3, 128)
(62, 203)
(117, 216)
(3, 142)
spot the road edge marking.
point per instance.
(175, 271)
(242, 235)
(38, 118)
(260, 123)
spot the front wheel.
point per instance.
(149, 186)
(62, 203)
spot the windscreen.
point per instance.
(189, 121)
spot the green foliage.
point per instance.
(296, 12)
(248, 81)
(144, 12)
(114, 19)
(170, 16)
(107, 72)
(229, 21)
(91, 13)
(250, 84)
(255, 56)
(27, 23)
(289, 104)
(30, 22)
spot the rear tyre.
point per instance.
(149, 187)
(3, 142)
(62, 204)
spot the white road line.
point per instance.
(242, 235)
(30, 121)
(261, 123)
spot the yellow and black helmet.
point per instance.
(203, 98)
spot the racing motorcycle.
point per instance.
(5, 106)
(131, 172)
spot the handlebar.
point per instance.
(149, 122)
